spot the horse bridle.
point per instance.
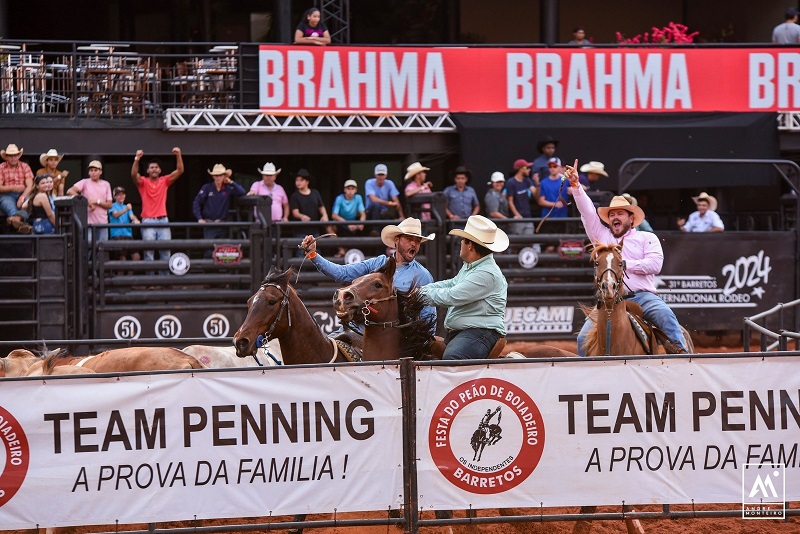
(368, 309)
(619, 283)
(284, 306)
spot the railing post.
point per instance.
(409, 396)
(746, 335)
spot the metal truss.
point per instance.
(221, 120)
(336, 14)
(789, 121)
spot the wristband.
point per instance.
(312, 255)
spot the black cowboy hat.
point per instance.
(462, 170)
(545, 140)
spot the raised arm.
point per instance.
(137, 179)
(174, 175)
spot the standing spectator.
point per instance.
(551, 193)
(705, 219)
(153, 190)
(462, 200)
(519, 190)
(16, 183)
(787, 32)
(306, 203)
(579, 37)
(50, 161)
(213, 201)
(382, 194)
(547, 149)
(416, 176)
(268, 187)
(41, 205)
(311, 30)
(97, 193)
(122, 214)
(495, 200)
(348, 206)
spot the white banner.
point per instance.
(155, 448)
(529, 434)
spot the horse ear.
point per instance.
(388, 268)
(621, 243)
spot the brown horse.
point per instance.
(275, 311)
(394, 325)
(614, 333)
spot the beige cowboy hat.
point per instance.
(269, 168)
(621, 203)
(218, 169)
(414, 169)
(595, 167)
(11, 150)
(52, 153)
(409, 226)
(712, 202)
(484, 232)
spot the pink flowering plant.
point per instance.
(671, 33)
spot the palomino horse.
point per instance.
(275, 311)
(394, 326)
(615, 331)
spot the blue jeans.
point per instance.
(470, 344)
(8, 205)
(655, 311)
(156, 234)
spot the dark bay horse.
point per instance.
(615, 332)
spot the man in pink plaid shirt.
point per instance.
(16, 183)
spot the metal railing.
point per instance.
(776, 337)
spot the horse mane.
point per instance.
(52, 358)
(417, 328)
(277, 277)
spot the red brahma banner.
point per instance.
(375, 79)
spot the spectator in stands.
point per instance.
(268, 187)
(153, 190)
(16, 183)
(462, 200)
(642, 253)
(551, 193)
(591, 174)
(547, 149)
(579, 37)
(787, 32)
(50, 161)
(213, 201)
(405, 238)
(97, 193)
(122, 214)
(311, 30)
(306, 203)
(519, 190)
(495, 201)
(348, 206)
(382, 194)
(416, 182)
(476, 296)
(41, 205)
(705, 219)
(644, 226)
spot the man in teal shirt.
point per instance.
(476, 296)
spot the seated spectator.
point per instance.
(50, 161)
(41, 206)
(122, 214)
(16, 183)
(495, 200)
(97, 193)
(268, 187)
(579, 37)
(213, 201)
(462, 200)
(416, 178)
(382, 195)
(306, 203)
(705, 219)
(348, 206)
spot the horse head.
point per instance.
(366, 295)
(267, 313)
(609, 274)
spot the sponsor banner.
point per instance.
(141, 449)
(739, 275)
(591, 432)
(369, 79)
(542, 319)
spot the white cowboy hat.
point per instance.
(595, 167)
(621, 203)
(414, 169)
(218, 169)
(52, 153)
(497, 176)
(712, 202)
(484, 232)
(11, 150)
(409, 226)
(269, 168)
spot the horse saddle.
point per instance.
(648, 334)
(350, 343)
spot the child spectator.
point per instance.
(122, 214)
(348, 206)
